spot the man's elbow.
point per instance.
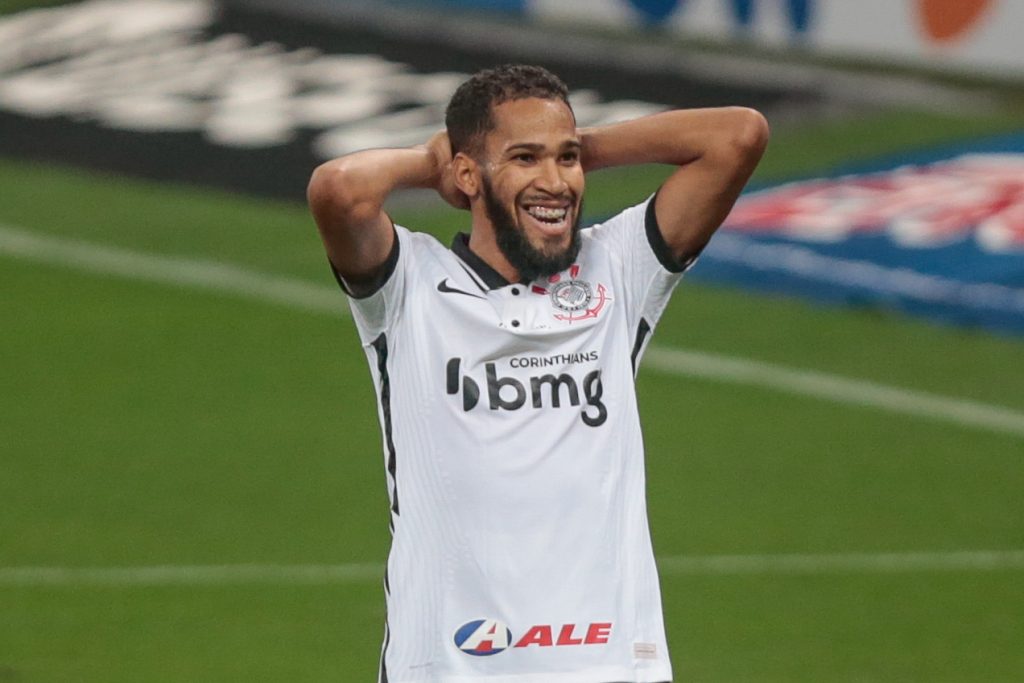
(334, 189)
(747, 136)
(330, 183)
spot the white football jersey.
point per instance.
(515, 465)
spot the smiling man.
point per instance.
(504, 368)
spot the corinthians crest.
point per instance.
(575, 298)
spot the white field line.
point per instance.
(175, 575)
(966, 560)
(179, 272)
(711, 565)
(835, 388)
(226, 279)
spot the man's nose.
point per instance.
(550, 178)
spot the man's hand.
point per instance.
(440, 149)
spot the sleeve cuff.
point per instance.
(659, 246)
(367, 288)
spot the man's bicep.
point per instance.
(358, 235)
(362, 286)
(690, 206)
(698, 197)
(362, 257)
(376, 303)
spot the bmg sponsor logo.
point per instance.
(486, 637)
(545, 391)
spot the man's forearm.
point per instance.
(674, 137)
(346, 196)
(714, 151)
(356, 185)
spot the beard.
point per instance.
(529, 261)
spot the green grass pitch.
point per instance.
(147, 425)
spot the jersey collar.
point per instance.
(492, 278)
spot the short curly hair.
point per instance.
(469, 115)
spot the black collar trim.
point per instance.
(491, 277)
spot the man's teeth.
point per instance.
(545, 213)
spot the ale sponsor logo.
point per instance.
(483, 637)
(486, 637)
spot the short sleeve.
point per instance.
(376, 311)
(648, 270)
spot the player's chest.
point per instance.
(576, 301)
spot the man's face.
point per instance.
(533, 185)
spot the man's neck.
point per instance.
(483, 243)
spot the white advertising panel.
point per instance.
(961, 35)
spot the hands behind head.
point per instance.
(441, 150)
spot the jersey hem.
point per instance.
(659, 674)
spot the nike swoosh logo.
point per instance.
(445, 288)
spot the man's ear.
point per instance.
(467, 174)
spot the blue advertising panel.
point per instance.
(939, 234)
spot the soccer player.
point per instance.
(504, 368)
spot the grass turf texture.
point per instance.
(147, 425)
(12, 6)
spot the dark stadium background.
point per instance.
(190, 465)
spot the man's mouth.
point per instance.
(550, 219)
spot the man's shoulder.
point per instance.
(426, 257)
(421, 247)
(616, 234)
(635, 215)
(418, 239)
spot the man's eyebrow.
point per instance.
(527, 146)
(537, 147)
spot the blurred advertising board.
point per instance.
(213, 94)
(980, 36)
(938, 234)
(210, 94)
